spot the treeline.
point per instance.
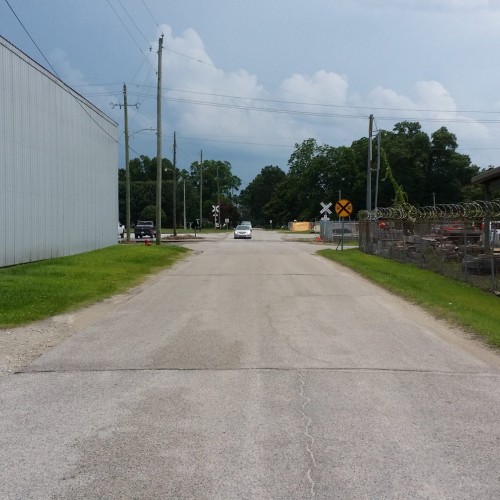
(427, 168)
(218, 185)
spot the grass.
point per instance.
(30, 292)
(462, 305)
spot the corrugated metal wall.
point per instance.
(58, 166)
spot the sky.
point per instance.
(244, 81)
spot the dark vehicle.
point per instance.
(145, 229)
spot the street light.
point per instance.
(142, 130)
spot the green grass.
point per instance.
(463, 305)
(34, 291)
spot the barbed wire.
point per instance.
(451, 211)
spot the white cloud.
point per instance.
(66, 71)
(208, 102)
(77, 80)
(433, 107)
(230, 97)
(323, 87)
(437, 5)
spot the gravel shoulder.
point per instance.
(21, 345)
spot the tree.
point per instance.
(320, 172)
(219, 183)
(408, 153)
(260, 192)
(450, 171)
(149, 213)
(143, 188)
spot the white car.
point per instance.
(121, 230)
(243, 231)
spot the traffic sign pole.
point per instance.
(343, 209)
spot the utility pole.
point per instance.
(369, 168)
(218, 195)
(127, 169)
(184, 203)
(127, 160)
(174, 193)
(158, 147)
(201, 189)
(378, 167)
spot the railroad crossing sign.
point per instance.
(215, 209)
(343, 208)
(325, 210)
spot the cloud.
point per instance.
(437, 5)
(76, 79)
(234, 109)
(64, 68)
(433, 107)
(322, 87)
(210, 101)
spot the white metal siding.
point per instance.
(58, 166)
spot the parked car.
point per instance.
(243, 231)
(121, 230)
(144, 228)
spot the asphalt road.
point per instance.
(255, 370)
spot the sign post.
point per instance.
(215, 211)
(343, 208)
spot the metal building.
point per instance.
(58, 166)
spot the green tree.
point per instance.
(149, 213)
(320, 173)
(450, 171)
(260, 192)
(408, 152)
(219, 183)
(143, 172)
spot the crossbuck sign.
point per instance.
(325, 210)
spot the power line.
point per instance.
(133, 22)
(126, 28)
(245, 143)
(31, 38)
(149, 12)
(55, 73)
(190, 57)
(95, 84)
(327, 105)
(324, 114)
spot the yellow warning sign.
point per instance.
(343, 208)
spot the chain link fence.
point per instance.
(461, 241)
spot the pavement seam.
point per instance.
(261, 368)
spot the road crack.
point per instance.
(308, 435)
